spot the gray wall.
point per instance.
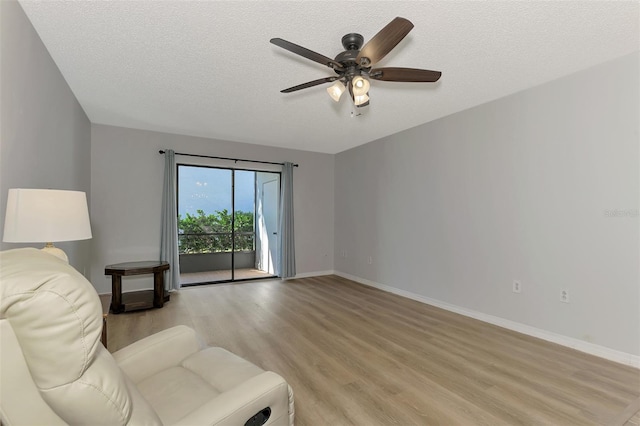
(126, 188)
(519, 188)
(45, 136)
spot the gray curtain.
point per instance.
(169, 232)
(286, 243)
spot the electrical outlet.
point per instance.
(369, 260)
(517, 286)
(564, 296)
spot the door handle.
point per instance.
(275, 233)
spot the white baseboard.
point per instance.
(580, 345)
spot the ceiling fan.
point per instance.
(353, 66)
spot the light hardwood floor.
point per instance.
(355, 355)
(634, 421)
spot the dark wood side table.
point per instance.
(138, 299)
(105, 301)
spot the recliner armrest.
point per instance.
(157, 352)
(239, 404)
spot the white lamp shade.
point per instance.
(360, 86)
(336, 90)
(46, 215)
(360, 99)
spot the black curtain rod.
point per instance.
(227, 158)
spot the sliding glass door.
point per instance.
(227, 224)
(243, 261)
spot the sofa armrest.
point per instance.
(239, 404)
(157, 352)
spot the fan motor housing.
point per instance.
(352, 41)
(347, 57)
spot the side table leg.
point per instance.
(116, 294)
(104, 331)
(158, 289)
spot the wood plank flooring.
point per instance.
(634, 421)
(628, 413)
(355, 355)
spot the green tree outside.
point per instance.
(217, 226)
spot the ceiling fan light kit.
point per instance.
(360, 86)
(336, 90)
(353, 66)
(360, 100)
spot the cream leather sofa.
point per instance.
(54, 370)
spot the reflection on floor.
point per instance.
(222, 275)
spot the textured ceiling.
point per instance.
(207, 68)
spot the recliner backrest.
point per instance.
(55, 314)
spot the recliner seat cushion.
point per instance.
(177, 391)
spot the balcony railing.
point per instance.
(215, 242)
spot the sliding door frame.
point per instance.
(233, 215)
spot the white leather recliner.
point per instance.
(54, 370)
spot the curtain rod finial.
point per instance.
(161, 152)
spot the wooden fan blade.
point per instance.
(309, 54)
(309, 84)
(405, 74)
(383, 42)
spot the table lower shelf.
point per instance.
(137, 300)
